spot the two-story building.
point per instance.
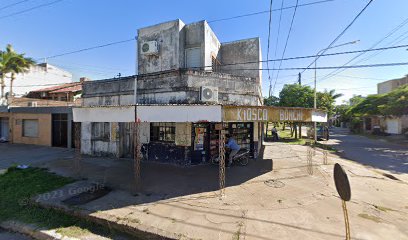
(190, 86)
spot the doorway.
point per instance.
(60, 130)
(4, 129)
(200, 151)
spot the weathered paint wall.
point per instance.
(168, 38)
(97, 147)
(44, 128)
(176, 87)
(212, 47)
(241, 51)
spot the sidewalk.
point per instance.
(274, 198)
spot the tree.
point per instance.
(295, 95)
(13, 63)
(271, 101)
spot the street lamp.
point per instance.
(315, 76)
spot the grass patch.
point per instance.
(285, 136)
(18, 186)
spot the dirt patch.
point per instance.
(370, 217)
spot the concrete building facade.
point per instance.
(185, 66)
(388, 86)
(40, 74)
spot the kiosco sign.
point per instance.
(271, 114)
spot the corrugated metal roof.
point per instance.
(75, 88)
(49, 89)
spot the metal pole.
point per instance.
(315, 98)
(346, 220)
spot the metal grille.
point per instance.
(222, 162)
(137, 155)
(310, 153)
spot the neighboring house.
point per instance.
(388, 124)
(47, 126)
(41, 74)
(388, 86)
(67, 92)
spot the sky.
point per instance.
(69, 25)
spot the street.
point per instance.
(5, 235)
(372, 152)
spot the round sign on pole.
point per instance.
(342, 182)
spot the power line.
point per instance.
(308, 56)
(286, 44)
(269, 41)
(333, 73)
(13, 4)
(90, 48)
(276, 45)
(30, 9)
(267, 11)
(341, 34)
(334, 67)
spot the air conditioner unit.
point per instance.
(150, 48)
(43, 94)
(32, 104)
(209, 94)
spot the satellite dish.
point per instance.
(342, 182)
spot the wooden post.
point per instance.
(346, 220)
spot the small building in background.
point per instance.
(388, 86)
(38, 75)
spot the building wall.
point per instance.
(39, 74)
(241, 51)
(4, 127)
(176, 87)
(388, 86)
(44, 128)
(168, 37)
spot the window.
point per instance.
(215, 64)
(162, 132)
(193, 58)
(30, 128)
(101, 131)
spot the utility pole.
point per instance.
(300, 79)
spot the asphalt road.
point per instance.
(4, 235)
(372, 152)
(15, 154)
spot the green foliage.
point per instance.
(295, 95)
(392, 103)
(19, 186)
(271, 101)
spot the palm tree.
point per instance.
(16, 64)
(334, 95)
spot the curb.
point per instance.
(32, 231)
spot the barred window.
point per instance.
(101, 131)
(162, 132)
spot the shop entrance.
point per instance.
(244, 135)
(201, 137)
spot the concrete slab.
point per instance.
(274, 198)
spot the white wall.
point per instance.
(38, 75)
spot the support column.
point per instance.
(221, 149)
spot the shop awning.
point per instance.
(197, 113)
(104, 114)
